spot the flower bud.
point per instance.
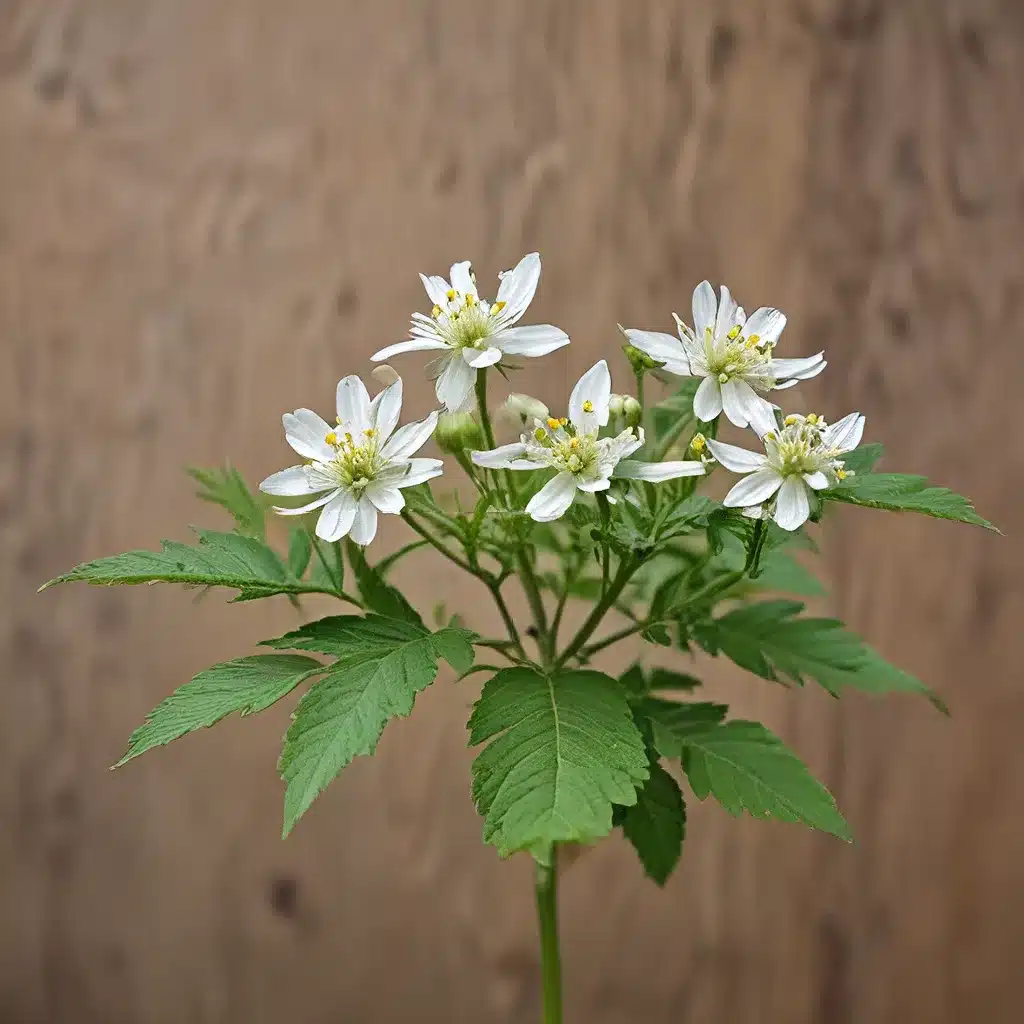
(640, 360)
(615, 405)
(523, 409)
(384, 374)
(632, 410)
(458, 431)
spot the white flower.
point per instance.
(361, 464)
(519, 410)
(733, 353)
(583, 460)
(805, 455)
(473, 333)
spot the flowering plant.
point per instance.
(594, 504)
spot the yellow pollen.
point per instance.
(588, 406)
(812, 418)
(553, 423)
(722, 378)
(435, 312)
(734, 333)
(331, 438)
(540, 434)
(498, 306)
(450, 294)
(754, 339)
(370, 432)
(699, 443)
(790, 420)
(563, 422)
(574, 443)
(470, 300)
(841, 473)
(337, 419)
(770, 435)
(348, 437)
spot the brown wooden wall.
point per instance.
(212, 209)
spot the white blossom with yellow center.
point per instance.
(734, 355)
(582, 459)
(474, 333)
(362, 463)
(804, 456)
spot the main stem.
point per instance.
(550, 956)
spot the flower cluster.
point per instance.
(359, 466)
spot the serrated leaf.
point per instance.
(656, 824)
(899, 492)
(227, 488)
(863, 459)
(779, 570)
(218, 560)
(300, 549)
(672, 721)
(382, 664)
(246, 685)
(770, 640)
(378, 595)
(327, 568)
(675, 413)
(747, 768)
(563, 750)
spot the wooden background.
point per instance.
(209, 211)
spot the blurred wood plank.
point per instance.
(209, 212)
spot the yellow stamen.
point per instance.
(574, 443)
(370, 432)
(450, 294)
(770, 436)
(588, 406)
(498, 306)
(563, 422)
(435, 312)
(348, 437)
(470, 299)
(790, 420)
(337, 419)
(734, 333)
(553, 423)
(331, 438)
(841, 473)
(722, 378)
(754, 339)
(540, 434)
(812, 418)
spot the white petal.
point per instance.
(657, 472)
(479, 358)
(364, 525)
(411, 472)
(593, 486)
(595, 388)
(305, 432)
(413, 345)
(767, 323)
(739, 460)
(552, 501)
(386, 499)
(705, 306)
(518, 287)
(455, 384)
(665, 348)
(727, 314)
(707, 402)
(792, 507)
(303, 509)
(533, 341)
(385, 410)
(797, 369)
(754, 512)
(289, 482)
(845, 434)
(755, 488)
(762, 416)
(500, 458)
(410, 438)
(816, 481)
(738, 402)
(462, 278)
(353, 403)
(336, 519)
(437, 288)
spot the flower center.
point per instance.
(800, 448)
(563, 448)
(733, 356)
(574, 454)
(355, 465)
(465, 321)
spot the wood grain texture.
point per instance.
(210, 211)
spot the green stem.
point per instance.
(550, 956)
(533, 597)
(481, 405)
(591, 649)
(586, 631)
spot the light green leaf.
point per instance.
(300, 549)
(770, 640)
(747, 768)
(562, 751)
(327, 568)
(656, 824)
(672, 721)
(863, 459)
(378, 595)
(899, 492)
(227, 488)
(218, 560)
(246, 685)
(675, 413)
(382, 664)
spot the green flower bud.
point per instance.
(615, 405)
(458, 431)
(633, 411)
(640, 361)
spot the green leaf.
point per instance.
(769, 640)
(747, 768)
(656, 824)
(675, 413)
(899, 492)
(327, 566)
(246, 685)
(218, 560)
(225, 487)
(562, 751)
(382, 664)
(863, 459)
(657, 634)
(378, 595)
(666, 679)
(672, 721)
(300, 549)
